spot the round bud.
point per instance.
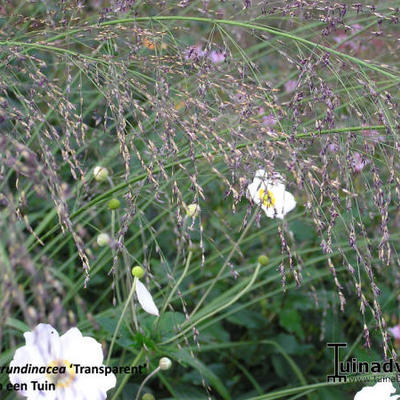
(165, 363)
(103, 239)
(137, 272)
(100, 173)
(148, 396)
(114, 204)
(192, 210)
(263, 259)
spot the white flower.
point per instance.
(380, 391)
(46, 349)
(270, 193)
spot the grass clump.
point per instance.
(129, 135)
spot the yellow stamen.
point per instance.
(62, 380)
(267, 198)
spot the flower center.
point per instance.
(62, 380)
(267, 198)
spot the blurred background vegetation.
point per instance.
(182, 102)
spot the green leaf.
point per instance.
(302, 231)
(124, 337)
(249, 319)
(281, 367)
(186, 392)
(169, 322)
(292, 346)
(17, 324)
(290, 320)
(215, 333)
(185, 357)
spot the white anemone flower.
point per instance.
(50, 353)
(270, 194)
(380, 391)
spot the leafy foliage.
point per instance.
(182, 102)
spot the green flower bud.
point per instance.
(148, 396)
(114, 204)
(103, 239)
(100, 173)
(263, 259)
(165, 363)
(192, 210)
(138, 272)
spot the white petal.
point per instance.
(261, 174)
(277, 177)
(278, 193)
(42, 346)
(46, 339)
(86, 351)
(270, 212)
(26, 355)
(381, 391)
(273, 179)
(284, 202)
(277, 188)
(253, 190)
(79, 349)
(289, 202)
(145, 299)
(91, 387)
